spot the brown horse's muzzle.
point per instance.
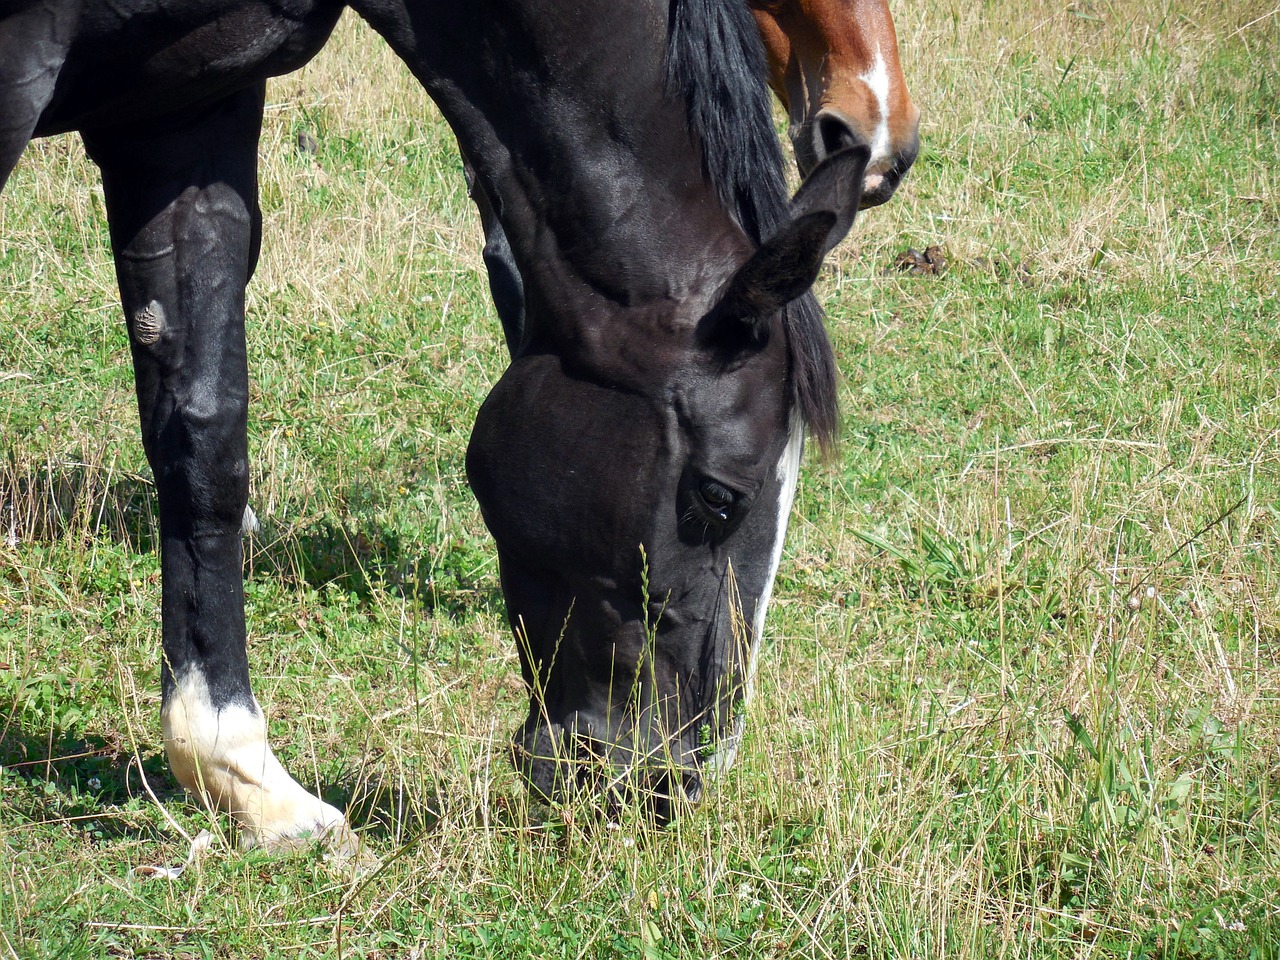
(829, 131)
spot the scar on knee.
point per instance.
(148, 323)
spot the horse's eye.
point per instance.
(717, 498)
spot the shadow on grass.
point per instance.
(52, 772)
(388, 809)
(392, 813)
(361, 554)
(51, 776)
(86, 783)
(357, 554)
(77, 501)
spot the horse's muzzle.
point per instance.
(566, 764)
(829, 131)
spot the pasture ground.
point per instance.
(1020, 695)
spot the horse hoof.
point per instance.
(301, 823)
(339, 845)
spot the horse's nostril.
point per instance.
(832, 133)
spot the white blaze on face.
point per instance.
(877, 80)
(788, 473)
(222, 756)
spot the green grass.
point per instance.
(1021, 690)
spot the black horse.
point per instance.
(636, 462)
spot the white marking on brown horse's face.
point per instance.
(876, 78)
(222, 756)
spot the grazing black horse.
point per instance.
(636, 462)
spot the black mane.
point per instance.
(715, 61)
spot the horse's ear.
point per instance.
(835, 185)
(786, 265)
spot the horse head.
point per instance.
(640, 527)
(834, 65)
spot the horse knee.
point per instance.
(196, 442)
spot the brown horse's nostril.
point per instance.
(832, 133)
(826, 133)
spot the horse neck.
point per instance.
(589, 163)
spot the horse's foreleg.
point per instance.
(185, 227)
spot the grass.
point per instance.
(1019, 694)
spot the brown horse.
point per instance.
(834, 65)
